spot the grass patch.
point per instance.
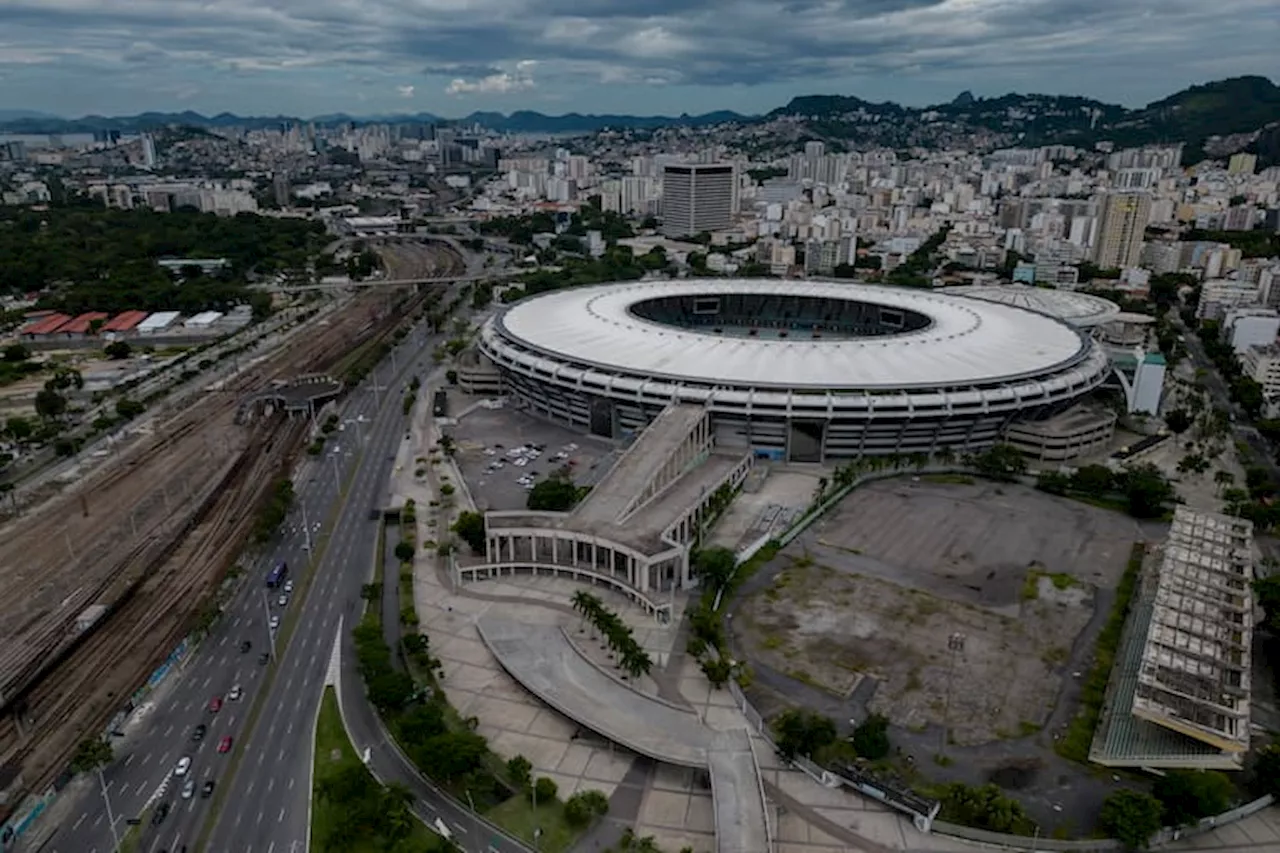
(1075, 742)
(1026, 728)
(518, 817)
(335, 755)
(1031, 585)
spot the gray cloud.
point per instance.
(1030, 44)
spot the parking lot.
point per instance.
(503, 452)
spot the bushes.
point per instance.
(984, 807)
(544, 790)
(585, 805)
(1131, 817)
(275, 510)
(871, 739)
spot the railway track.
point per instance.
(150, 552)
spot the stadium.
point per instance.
(802, 371)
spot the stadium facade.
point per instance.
(803, 371)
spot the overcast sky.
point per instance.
(450, 57)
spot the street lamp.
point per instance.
(955, 645)
(111, 818)
(266, 613)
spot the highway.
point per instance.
(1241, 429)
(161, 734)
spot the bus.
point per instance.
(439, 405)
(277, 575)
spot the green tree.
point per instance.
(519, 771)
(1188, 795)
(715, 567)
(1266, 770)
(452, 755)
(14, 353)
(1178, 421)
(802, 732)
(470, 528)
(1131, 817)
(404, 551)
(871, 738)
(1147, 491)
(545, 789)
(91, 754)
(1093, 480)
(19, 428)
(50, 405)
(983, 807)
(117, 350)
(554, 494)
(1000, 462)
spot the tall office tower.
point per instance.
(1121, 224)
(697, 197)
(148, 151)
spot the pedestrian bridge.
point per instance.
(546, 662)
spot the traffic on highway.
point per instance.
(219, 757)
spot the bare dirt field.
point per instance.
(956, 604)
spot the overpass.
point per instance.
(375, 282)
(545, 661)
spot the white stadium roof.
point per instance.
(1079, 309)
(969, 341)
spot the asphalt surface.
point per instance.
(268, 807)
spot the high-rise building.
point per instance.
(697, 197)
(1121, 224)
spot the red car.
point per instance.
(215, 704)
(224, 745)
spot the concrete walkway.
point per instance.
(546, 663)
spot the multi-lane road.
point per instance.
(265, 806)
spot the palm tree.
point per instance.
(396, 800)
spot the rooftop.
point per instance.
(1079, 309)
(965, 342)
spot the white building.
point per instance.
(1221, 295)
(1249, 327)
(1148, 384)
(1262, 365)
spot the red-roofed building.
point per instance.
(124, 323)
(46, 326)
(80, 326)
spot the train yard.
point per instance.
(104, 580)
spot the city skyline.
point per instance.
(74, 58)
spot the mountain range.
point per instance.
(1240, 113)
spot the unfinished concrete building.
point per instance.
(1180, 694)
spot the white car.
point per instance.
(184, 764)
(282, 601)
(189, 789)
(275, 622)
(288, 587)
(236, 693)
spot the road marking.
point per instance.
(249, 790)
(127, 759)
(97, 820)
(313, 659)
(281, 818)
(271, 784)
(271, 847)
(259, 816)
(289, 728)
(169, 730)
(223, 641)
(238, 817)
(79, 821)
(142, 787)
(290, 783)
